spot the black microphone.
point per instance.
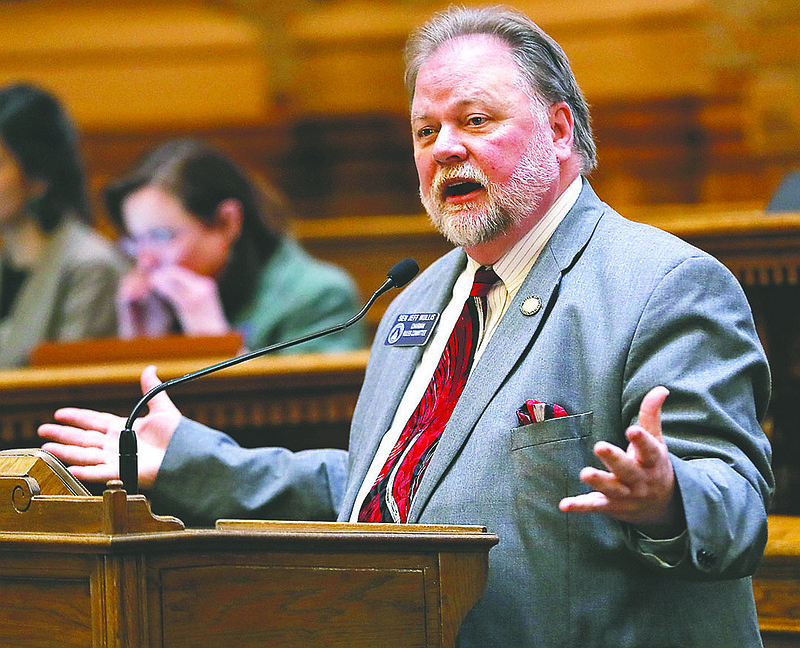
(400, 274)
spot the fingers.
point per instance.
(604, 482)
(588, 503)
(150, 380)
(181, 284)
(650, 410)
(100, 473)
(89, 419)
(639, 483)
(646, 448)
(195, 298)
(63, 434)
(75, 455)
(133, 287)
(646, 439)
(617, 461)
(645, 452)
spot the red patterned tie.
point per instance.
(389, 500)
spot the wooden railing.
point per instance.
(759, 248)
(292, 401)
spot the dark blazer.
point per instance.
(625, 307)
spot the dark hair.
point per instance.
(201, 177)
(35, 128)
(540, 59)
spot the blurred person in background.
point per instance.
(211, 257)
(58, 276)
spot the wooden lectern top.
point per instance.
(51, 476)
(80, 570)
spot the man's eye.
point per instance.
(427, 131)
(476, 120)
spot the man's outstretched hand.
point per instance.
(88, 441)
(639, 486)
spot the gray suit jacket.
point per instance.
(68, 296)
(625, 307)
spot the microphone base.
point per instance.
(128, 461)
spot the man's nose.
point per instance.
(449, 146)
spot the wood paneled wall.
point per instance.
(693, 100)
(138, 64)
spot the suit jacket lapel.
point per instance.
(515, 334)
(389, 385)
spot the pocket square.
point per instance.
(534, 411)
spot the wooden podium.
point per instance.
(82, 570)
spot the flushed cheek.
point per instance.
(500, 156)
(12, 197)
(206, 257)
(425, 183)
(498, 167)
(425, 170)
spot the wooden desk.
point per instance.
(102, 571)
(262, 402)
(776, 585)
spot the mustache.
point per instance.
(463, 172)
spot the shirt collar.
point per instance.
(515, 264)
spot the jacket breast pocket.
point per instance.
(563, 428)
(546, 460)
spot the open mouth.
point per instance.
(460, 188)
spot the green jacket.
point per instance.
(298, 295)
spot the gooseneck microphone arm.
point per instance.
(400, 274)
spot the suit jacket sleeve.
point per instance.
(696, 332)
(205, 476)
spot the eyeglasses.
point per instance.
(154, 238)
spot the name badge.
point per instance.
(412, 329)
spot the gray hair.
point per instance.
(541, 60)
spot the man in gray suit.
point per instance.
(608, 430)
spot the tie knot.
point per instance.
(485, 278)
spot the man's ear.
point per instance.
(228, 219)
(562, 125)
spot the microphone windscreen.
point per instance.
(403, 271)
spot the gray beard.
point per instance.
(468, 226)
(508, 205)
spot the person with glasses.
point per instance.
(58, 275)
(210, 256)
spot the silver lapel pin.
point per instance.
(530, 306)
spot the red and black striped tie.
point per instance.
(389, 500)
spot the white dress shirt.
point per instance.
(512, 268)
